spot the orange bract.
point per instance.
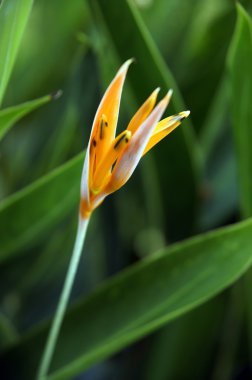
(110, 160)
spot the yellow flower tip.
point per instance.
(169, 93)
(166, 99)
(131, 60)
(156, 91)
(125, 66)
(143, 112)
(154, 95)
(184, 114)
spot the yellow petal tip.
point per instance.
(126, 65)
(184, 114)
(154, 94)
(131, 60)
(168, 96)
(169, 93)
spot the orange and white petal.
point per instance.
(164, 127)
(130, 157)
(143, 111)
(109, 106)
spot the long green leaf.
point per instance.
(9, 116)
(139, 301)
(196, 332)
(220, 174)
(26, 215)
(240, 63)
(220, 164)
(13, 18)
(130, 38)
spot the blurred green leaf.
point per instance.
(204, 54)
(240, 63)
(161, 18)
(26, 215)
(75, 109)
(220, 166)
(130, 38)
(231, 329)
(8, 333)
(9, 116)
(60, 21)
(196, 332)
(138, 301)
(13, 18)
(213, 127)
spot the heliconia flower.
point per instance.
(111, 160)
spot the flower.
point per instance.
(110, 160)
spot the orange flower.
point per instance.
(111, 160)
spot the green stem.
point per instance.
(63, 301)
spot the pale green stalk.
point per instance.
(63, 301)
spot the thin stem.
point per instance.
(63, 301)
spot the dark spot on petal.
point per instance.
(119, 141)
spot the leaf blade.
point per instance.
(13, 18)
(142, 299)
(239, 62)
(9, 116)
(51, 198)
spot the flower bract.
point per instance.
(110, 160)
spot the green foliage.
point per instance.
(180, 309)
(51, 199)
(240, 60)
(13, 18)
(143, 298)
(9, 116)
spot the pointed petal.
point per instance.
(110, 102)
(143, 111)
(109, 106)
(164, 127)
(130, 157)
(169, 121)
